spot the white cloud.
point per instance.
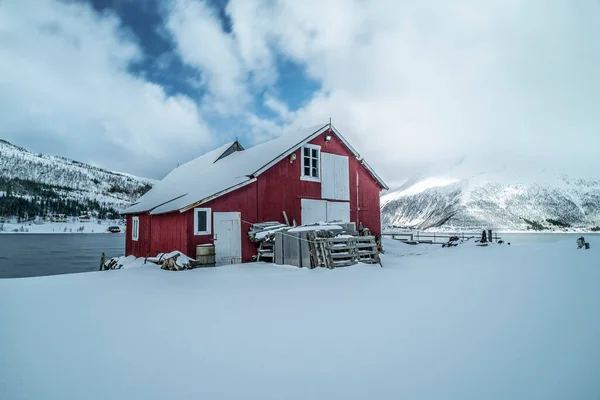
(254, 51)
(414, 85)
(277, 106)
(66, 90)
(202, 43)
(418, 84)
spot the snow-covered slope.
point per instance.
(468, 323)
(492, 200)
(71, 179)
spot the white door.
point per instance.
(228, 237)
(338, 211)
(313, 211)
(335, 177)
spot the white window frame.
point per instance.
(135, 228)
(208, 230)
(311, 147)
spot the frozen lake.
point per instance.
(26, 255)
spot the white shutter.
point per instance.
(313, 211)
(135, 228)
(335, 180)
(338, 211)
(327, 175)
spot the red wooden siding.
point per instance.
(141, 247)
(368, 200)
(368, 188)
(281, 189)
(243, 201)
(169, 232)
(157, 234)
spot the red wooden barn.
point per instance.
(313, 175)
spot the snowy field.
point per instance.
(502, 322)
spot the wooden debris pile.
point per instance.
(453, 241)
(174, 261)
(112, 263)
(264, 230)
(264, 234)
(326, 245)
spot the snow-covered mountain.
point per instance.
(69, 179)
(555, 202)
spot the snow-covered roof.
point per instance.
(210, 176)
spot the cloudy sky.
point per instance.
(142, 85)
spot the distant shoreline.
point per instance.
(60, 233)
(475, 231)
(55, 228)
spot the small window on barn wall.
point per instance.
(135, 228)
(202, 221)
(311, 162)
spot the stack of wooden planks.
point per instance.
(262, 231)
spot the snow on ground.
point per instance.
(127, 262)
(502, 322)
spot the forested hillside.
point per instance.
(37, 185)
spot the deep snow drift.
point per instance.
(502, 322)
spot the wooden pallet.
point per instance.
(332, 252)
(318, 252)
(367, 250)
(266, 252)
